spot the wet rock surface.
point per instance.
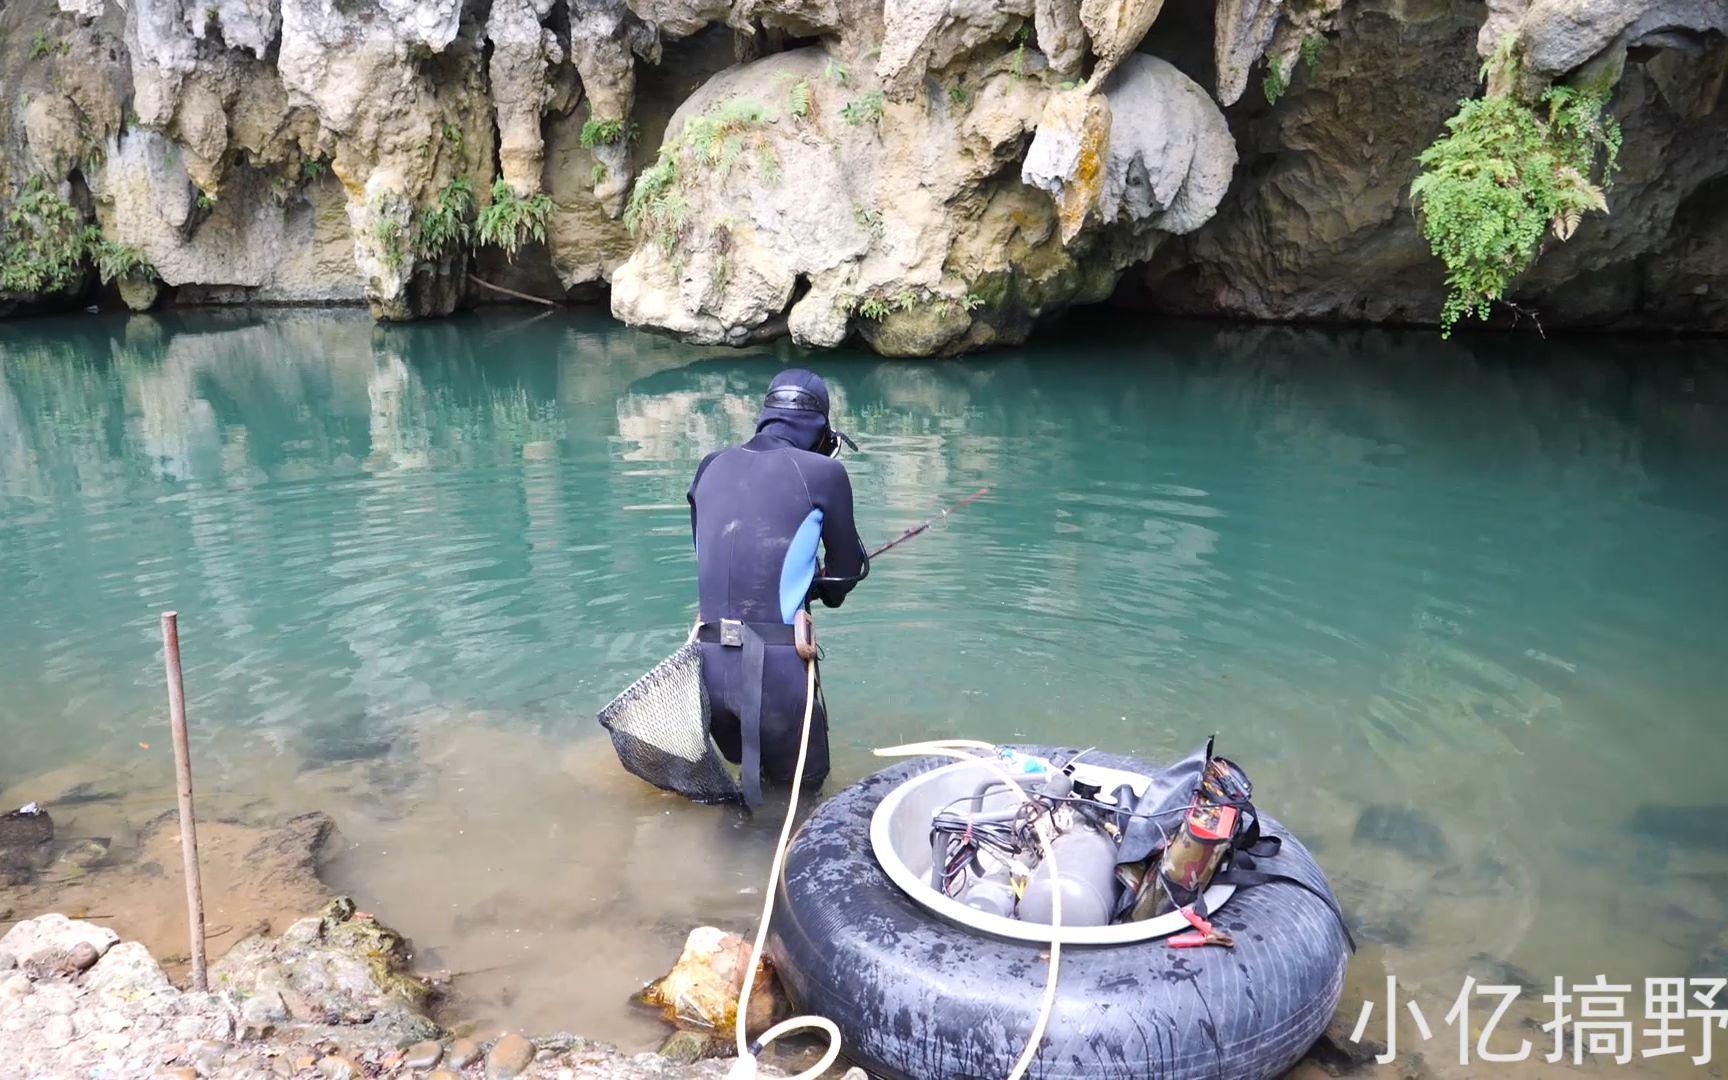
(257, 874)
(463, 1053)
(423, 1055)
(26, 844)
(703, 987)
(339, 1004)
(509, 1057)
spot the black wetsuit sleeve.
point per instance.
(845, 561)
(690, 495)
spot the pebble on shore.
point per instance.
(463, 1053)
(423, 1055)
(509, 1057)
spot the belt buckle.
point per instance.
(732, 632)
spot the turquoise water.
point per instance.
(1479, 582)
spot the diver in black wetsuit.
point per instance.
(756, 514)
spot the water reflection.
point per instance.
(412, 561)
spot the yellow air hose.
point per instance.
(745, 1067)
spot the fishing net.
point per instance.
(659, 728)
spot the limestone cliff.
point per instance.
(1320, 226)
(924, 238)
(923, 176)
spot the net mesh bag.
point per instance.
(659, 729)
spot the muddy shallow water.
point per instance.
(1458, 609)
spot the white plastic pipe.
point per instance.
(956, 748)
(745, 1067)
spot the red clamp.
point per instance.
(1203, 934)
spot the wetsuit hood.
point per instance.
(795, 411)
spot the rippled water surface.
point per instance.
(1478, 590)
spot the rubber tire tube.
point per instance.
(918, 997)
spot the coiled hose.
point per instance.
(745, 1068)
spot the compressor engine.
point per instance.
(985, 853)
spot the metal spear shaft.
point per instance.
(916, 529)
(183, 774)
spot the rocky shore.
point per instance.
(342, 994)
(331, 998)
(337, 994)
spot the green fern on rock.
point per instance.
(715, 136)
(866, 108)
(445, 224)
(714, 142)
(1273, 85)
(114, 260)
(42, 243)
(656, 206)
(598, 132)
(511, 221)
(1503, 177)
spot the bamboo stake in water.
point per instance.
(183, 773)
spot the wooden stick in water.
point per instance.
(483, 283)
(183, 774)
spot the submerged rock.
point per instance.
(263, 873)
(1404, 829)
(1711, 959)
(26, 843)
(1364, 981)
(1692, 826)
(1493, 971)
(83, 855)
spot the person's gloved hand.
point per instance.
(819, 592)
